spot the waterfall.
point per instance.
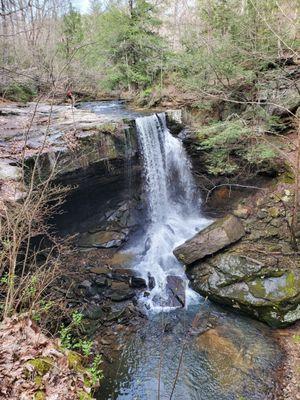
(172, 208)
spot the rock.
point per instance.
(212, 239)
(262, 214)
(274, 212)
(175, 291)
(101, 281)
(269, 294)
(8, 171)
(242, 212)
(100, 270)
(230, 363)
(151, 281)
(122, 274)
(102, 239)
(279, 91)
(121, 292)
(137, 282)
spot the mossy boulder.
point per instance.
(269, 294)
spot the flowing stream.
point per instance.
(172, 209)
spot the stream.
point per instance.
(199, 351)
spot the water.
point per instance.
(235, 360)
(172, 206)
(116, 109)
(237, 357)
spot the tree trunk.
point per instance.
(5, 32)
(130, 4)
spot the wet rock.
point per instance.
(229, 362)
(103, 270)
(168, 327)
(122, 274)
(95, 313)
(151, 281)
(269, 294)
(120, 259)
(101, 281)
(137, 282)
(103, 239)
(176, 291)
(120, 291)
(215, 237)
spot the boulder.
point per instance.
(215, 237)
(269, 294)
(175, 291)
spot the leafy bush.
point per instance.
(19, 92)
(232, 144)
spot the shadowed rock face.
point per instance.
(271, 295)
(212, 239)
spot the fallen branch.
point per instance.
(230, 186)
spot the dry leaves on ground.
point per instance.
(32, 366)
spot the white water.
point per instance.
(173, 207)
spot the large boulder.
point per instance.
(215, 237)
(269, 294)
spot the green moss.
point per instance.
(274, 212)
(257, 288)
(287, 177)
(38, 380)
(40, 395)
(107, 128)
(75, 361)
(296, 338)
(41, 365)
(84, 396)
(290, 287)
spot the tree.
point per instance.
(131, 43)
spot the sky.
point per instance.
(81, 5)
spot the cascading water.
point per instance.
(172, 210)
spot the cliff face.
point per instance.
(65, 144)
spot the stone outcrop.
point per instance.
(79, 143)
(260, 273)
(269, 294)
(212, 239)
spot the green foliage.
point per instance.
(70, 340)
(128, 45)
(4, 279)
(231, 144)
(72, 30)
(19, 92)
(95, 370)
(296, 338)
(259, 153)
(232, 42)
(226, 133)
(68, 335)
